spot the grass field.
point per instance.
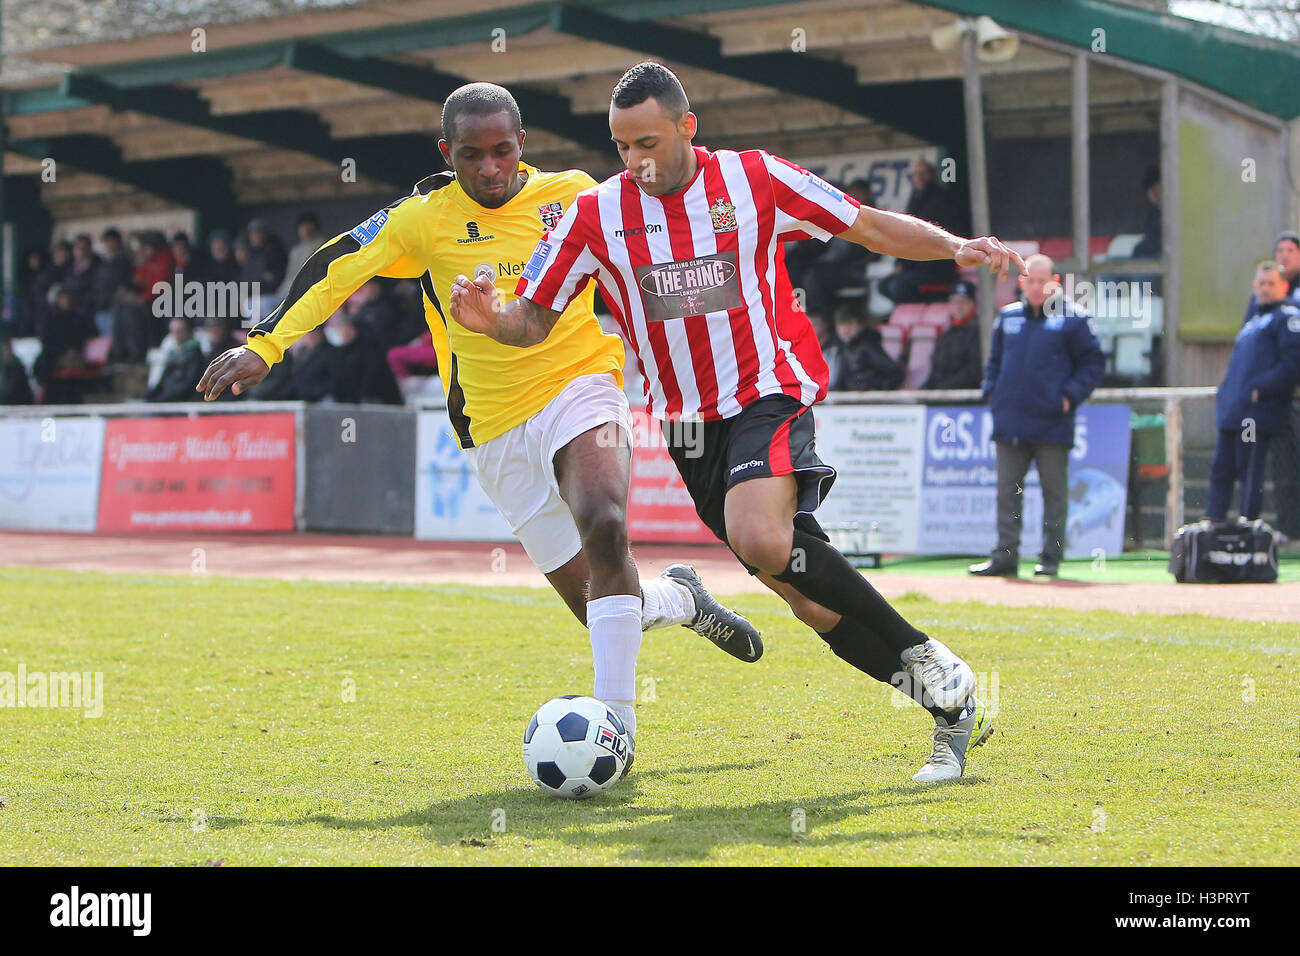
(225, 735)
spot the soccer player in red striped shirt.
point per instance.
(686, 247)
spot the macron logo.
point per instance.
(103, 909)
(749, 464)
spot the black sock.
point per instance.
(858, 646)
(820, 573)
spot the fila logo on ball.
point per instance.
(611, 741)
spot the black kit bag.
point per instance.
(1244, 552)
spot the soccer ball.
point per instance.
(575, 747)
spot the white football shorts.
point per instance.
(516, 468)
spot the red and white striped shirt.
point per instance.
(697, 279)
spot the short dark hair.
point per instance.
(477, 99)
(309, 217)
(650, 80)
(1291, 237)
(111, 233)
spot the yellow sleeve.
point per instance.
(385, 244)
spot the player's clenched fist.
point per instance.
(474, 304)
(991, 252)
(239, 369)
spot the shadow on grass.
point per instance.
(658, 832)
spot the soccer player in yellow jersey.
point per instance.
(548, 429)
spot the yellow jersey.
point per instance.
(434, 234)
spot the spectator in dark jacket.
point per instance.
(956, 361)
(926, 281)
(219, 264)
(63, 338)
(32, 294)
(1284, 452)
(364, 375)
(1150, 245)
(315, 369)
(266, 259)
(82, 277)
(1044, 362)
(1254, 399)
(115, 270)
(184, 366)
(857, 358)
(15, 389)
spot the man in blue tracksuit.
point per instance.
(1254, 398)
(1044, 362)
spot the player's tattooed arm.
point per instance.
(907, 237)
(520, 323)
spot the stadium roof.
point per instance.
(292, 94)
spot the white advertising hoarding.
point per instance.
(450, 505)
(49, 473)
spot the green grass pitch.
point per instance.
(226, 736)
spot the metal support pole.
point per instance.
(1080, 192)
(1174, 457)
(978, 173)
(1171, 228)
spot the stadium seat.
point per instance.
(892, 339)
(936, 314)
(1058, 248)
(97, 350)
(1098, 246)
(920, 354)
(1121, 247)
(907, 315)
(1131, 356)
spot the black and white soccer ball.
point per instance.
(575, 747)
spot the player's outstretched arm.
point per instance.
(239, 369)
(907, 237)
(520, 323)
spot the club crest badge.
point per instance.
(724, 216)
(550, 213)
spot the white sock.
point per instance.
(615, 625)
(666, 603)
(623, 708)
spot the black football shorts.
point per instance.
(774, 436)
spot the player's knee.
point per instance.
(763, 546)
(603, 528)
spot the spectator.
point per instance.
(956, 360)
(1254, 398)
(183, 257)
(363, 373)
(857, 358)
(416, 358)
(1285, 457)
(63, 341)
(32, 294)
(81, 279)
(925, 281)
(1149, 246)
(266, 259)
(219, 264)
(184, 366)
(15, 389)
(315, 374)
(371, 308)
(310, 238)
(1044, 362)
(114, 271)
(153, 266)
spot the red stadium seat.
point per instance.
(920, 354)
(907, 315)
(97, 350)
(936, 314)
(1057, 249)
(892, 339)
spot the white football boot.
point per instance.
(952, 742)
(946, 678)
